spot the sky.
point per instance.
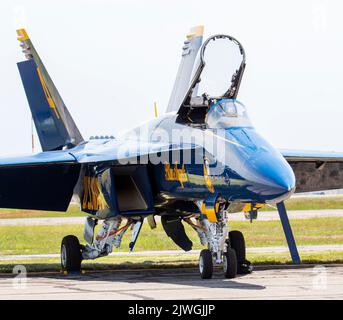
(110, 61)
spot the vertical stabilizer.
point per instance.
(183, 77)
(55, 127)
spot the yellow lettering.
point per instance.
(175, 174)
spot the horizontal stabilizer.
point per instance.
(39, 187)
(43, 181)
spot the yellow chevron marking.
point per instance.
(22, 35)
(47, 93)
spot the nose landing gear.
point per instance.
(225, 248)
(229, 261)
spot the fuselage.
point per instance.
(235, 162)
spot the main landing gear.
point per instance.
(71, 256)
(110, 234)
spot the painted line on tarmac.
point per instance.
(262, 216)
(42, 221)
(276, 249)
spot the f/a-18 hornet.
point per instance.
(195, 164)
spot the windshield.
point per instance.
(226, 113)
(233, 108)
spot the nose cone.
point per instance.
(266, 174)
(271, 176)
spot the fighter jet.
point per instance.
(193, 165)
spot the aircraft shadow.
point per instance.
(109, 273)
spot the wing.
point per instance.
(48, 180)
(316, 171)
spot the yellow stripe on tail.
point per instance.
(22, 35)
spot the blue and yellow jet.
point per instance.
(195, 164)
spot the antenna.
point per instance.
(155, 108)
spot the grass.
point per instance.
(314, 231)
(46, 239)
(324, 257)
(42, 239)
(311, 203)
(295, 203)
(179, 261)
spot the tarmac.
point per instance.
(268, 282)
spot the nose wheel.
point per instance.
(230, 263)
(237, 243)
(206, 264)
(233, 258)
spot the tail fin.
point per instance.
(183, 77)
(55, 127)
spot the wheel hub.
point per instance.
(64, 256)
(201, 264)
(225, 263)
